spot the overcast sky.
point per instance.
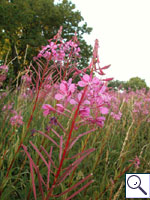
(123, 30)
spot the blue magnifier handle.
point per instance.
(143, 190)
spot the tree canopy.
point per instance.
(134, 83)
(116, 84)
(30, 23)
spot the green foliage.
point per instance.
(115, 84)
(32, 23)
(136, 83)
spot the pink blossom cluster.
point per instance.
(136, 162)
(27, 93)
(27, 80)
(16, 120)
(141, 105)
(66, 89)
(58, 52)
(94, 106)
(138, 101)
(116, 100)
(4, 68)
(7, 107)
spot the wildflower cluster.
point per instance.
(59, 52)
(95, 104)
(116, 100)
(141, 106)
(16, 119)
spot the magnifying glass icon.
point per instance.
(134, 182)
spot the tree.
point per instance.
(116, 84)
(33, 22)
(136, 83)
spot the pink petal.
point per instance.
(70, 81)
(72, 101)
(104, 110)
(86, 102)
(46, 112)
(103, 89)
(47, 106)
(63, 87)
(44, 106)
(86, 77)
(79, 96)
(84, 112)
(82, 84)
(72, 88)
(101, 118)
(95, 80)
(59, 97)
(60, 107)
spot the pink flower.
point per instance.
(4, 67)
(27, 80)
(98, 121)
(136, 162)
(84, 112)
(77, 100)
(116, 116)
(60, 108)
(4, 108)
(85, 80)
(95, 81)
(104, 110)
(16, 120)
(7, 107)
(47, 109)
(66, 90)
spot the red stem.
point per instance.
(29, 122)
(66, 145)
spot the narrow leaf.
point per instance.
(39, 153)
(49, 166)
(73, 195)
(30, 159)
(73, 166)
(78, 154)
(79, 136)
(33, 184)
(74, 186)
(48, 137)
(55, 133)
(60, 149)
(106, 67)
(40, 183)
(50, 159)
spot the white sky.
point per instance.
(123, 30)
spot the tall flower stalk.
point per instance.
(92, 98)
